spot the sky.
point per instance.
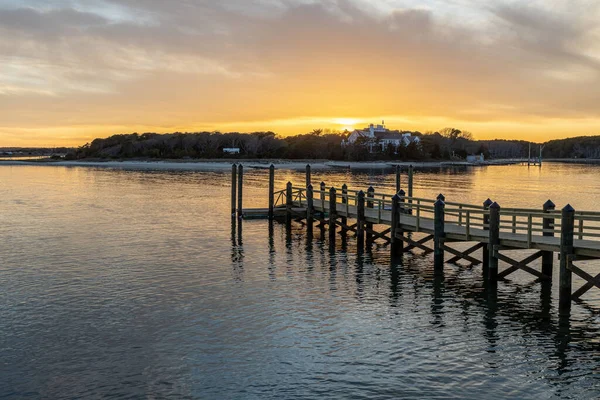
(73, 70)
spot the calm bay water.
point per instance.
(132, 284)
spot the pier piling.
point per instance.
(332, 213)
(233, 189)
(271, 192)
(360, 221)
(410, 184)
(240, 191)
(548, 228)
(411, 172)
(344, 220)
(486, 227)
(322, 198)
(289, 202)
(369, 225)
(398, 178)
(397, 245)
(438, 234)
(310, 208)
(402, 206)
(567, 227)
(494, 242)
(308, 175)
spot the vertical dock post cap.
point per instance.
(371, 189)
(488, 203)
(568, 208)
(396, 198)
(361, 193)
(332, 190)
(439, 203)
(272, 166)
(344, 186)
(549, 205)
(401, 193)
(495, 205)
(322, 183)
(310, 187)
(441, 197)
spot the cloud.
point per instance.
(152, 62)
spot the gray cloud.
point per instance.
(478, 60)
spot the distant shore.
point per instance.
(221, 164)
(224, 164)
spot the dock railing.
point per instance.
(519, 221)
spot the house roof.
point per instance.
(389, 135)
(386, 135)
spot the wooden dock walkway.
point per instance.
(386, 217)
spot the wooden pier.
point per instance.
(394, 218)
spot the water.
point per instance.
(128, 284)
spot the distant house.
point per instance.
(476, 158)
(231, 150)
(379, 137)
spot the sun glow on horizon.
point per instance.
(348, 124)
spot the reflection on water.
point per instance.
(138, 284)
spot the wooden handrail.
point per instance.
(469, 216)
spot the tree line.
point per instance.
(446, 144)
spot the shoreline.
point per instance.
(225, 164)
(221, 165)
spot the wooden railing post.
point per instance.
(567, 227)
(240, 191)
(486, 227)
(332, 213)
(289, 202)
(233, 189)
(369, 226)
(344, 220)
(397, 246)
(401, 206)
(494, 242)
(322, 215)
(271, 192)
(438, 234)
(548, 224)
(308, 175)
(398, 178)
(410, 185)
(360, 221)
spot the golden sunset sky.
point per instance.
(73, 70)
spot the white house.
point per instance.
(379, 136)
(476, 158)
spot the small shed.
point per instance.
(231, 150)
